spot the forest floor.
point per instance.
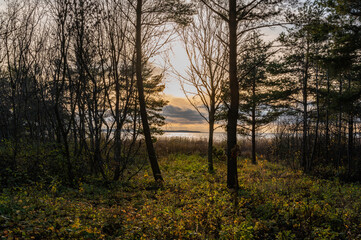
(273, 203)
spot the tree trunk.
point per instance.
(65, 150)
(350, 146)
(210, 140)
(15, 126)
(350, 138)
(232, 150)
(143, 111)
(317, 124)
(254, 159)
(117, 147)
(304, 162)
(339, 128)
(327, 118)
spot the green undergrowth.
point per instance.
(273, 202)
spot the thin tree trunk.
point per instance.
(63, 133)
(117, 147)
(66, 151)
(317, 124)
(350, 145)
(143, 111)
(15, 126)
(232, 150)
(254, 158)
(210, 141)
(339, 128)
(350, 138)
(327, 118)
(304, 162)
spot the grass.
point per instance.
(273, 203)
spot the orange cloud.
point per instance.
(180, 115)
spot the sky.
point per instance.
(180, 115)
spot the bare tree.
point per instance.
(203, 81)
(18, 43)
(60, 85)
(118, 61)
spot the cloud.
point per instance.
(176, 114)
(180, 115)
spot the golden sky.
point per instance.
(174, 57)
(180, 115)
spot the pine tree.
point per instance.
(261, 102)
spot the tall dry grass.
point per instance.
(179, 145)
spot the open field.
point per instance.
(272, 203)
